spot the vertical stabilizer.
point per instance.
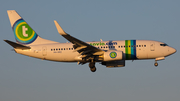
(23, 33)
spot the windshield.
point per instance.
(163, 44)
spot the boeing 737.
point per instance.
(108, 53)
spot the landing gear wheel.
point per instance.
(156, 64)
(93, 69)
(92, 66)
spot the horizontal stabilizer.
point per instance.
(16, 45)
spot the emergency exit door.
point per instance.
(44, 51)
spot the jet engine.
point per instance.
(112, 55)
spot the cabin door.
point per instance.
(152, 46)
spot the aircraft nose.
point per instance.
(172, 50)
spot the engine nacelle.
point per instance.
(112, 55)
(112, 64)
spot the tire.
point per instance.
(93, 69)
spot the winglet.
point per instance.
(59, 29)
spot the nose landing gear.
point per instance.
(156, 64)
(157, 59)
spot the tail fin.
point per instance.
(23, 33)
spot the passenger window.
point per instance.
(54, 49)
(136, 45)
(144, 45)
(132, 46)
(139, 45)
(64, 48)
(119, 46)
(59, 49)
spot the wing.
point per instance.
(84, 49)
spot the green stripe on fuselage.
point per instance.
(130, 49)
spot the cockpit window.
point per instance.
(163, 45)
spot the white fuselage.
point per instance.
(64, 52)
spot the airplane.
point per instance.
(108, 53)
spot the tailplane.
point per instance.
(23, 33)
(16, 45)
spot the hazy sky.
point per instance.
(24, 78)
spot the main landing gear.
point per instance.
(156, 64)
(92, 66)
